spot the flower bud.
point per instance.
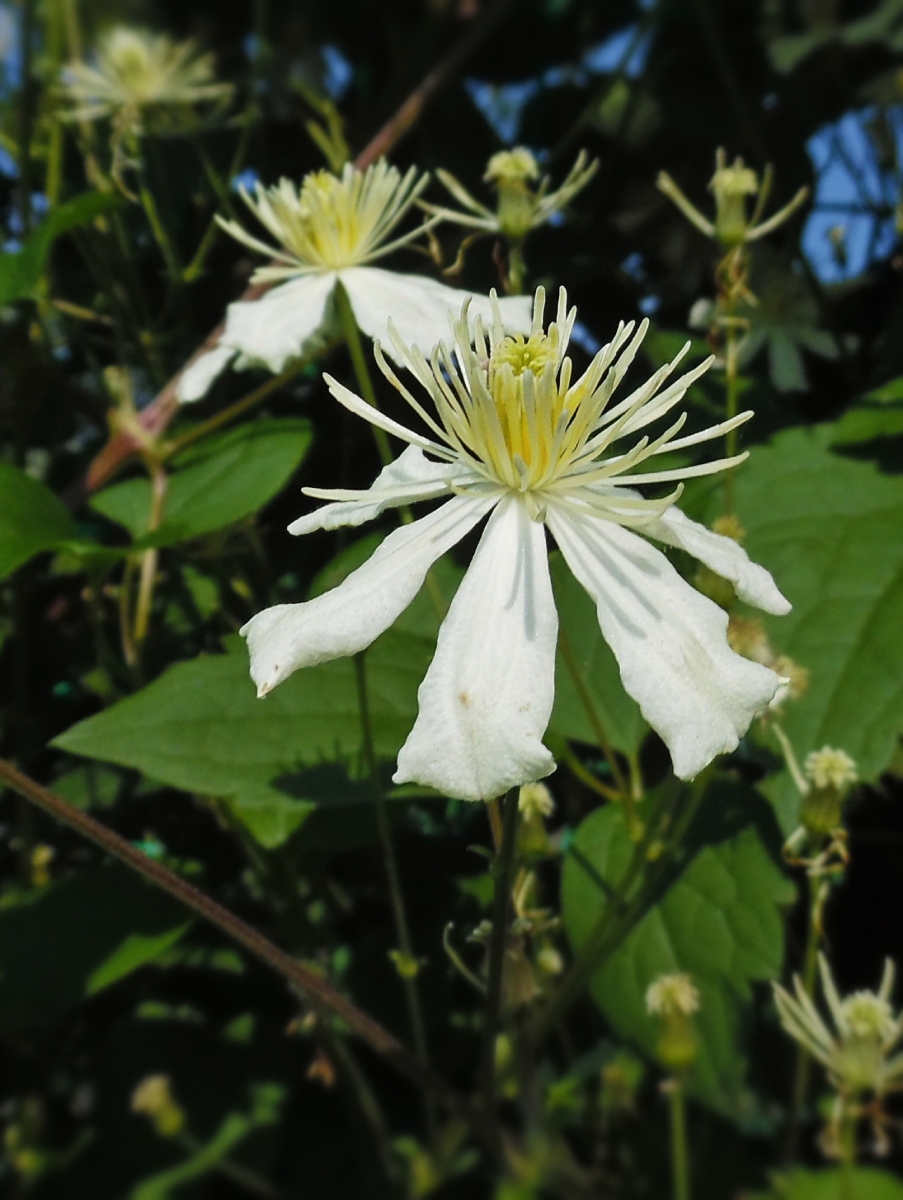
(731, 185)
(674, 999)
(153, 1097)
(511, 171)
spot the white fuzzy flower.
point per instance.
(329, 232)
(138, 76)
(511, 436)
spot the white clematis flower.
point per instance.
(512, 436)
(329, 232)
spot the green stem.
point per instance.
(680, 1155)
(393, 878)
(803, 1058)
(319, 994)
(159, 482)
(515, 268)
(361, 370)
(502, 872)
(234, 410)
(848, 1154)
(149, 204)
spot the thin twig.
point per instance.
(318, 993)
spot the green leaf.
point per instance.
(718, 919)
(201, 728)
(74, 938)
(800, 1184)
(830, 529)
(583, 651)
(32, 519)
(228, 478)
(21, 271)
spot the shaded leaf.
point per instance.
(229, 478)
(718, 919)
(76, 937)
(21, 270)
(583, 650)
(830, 529)
(868, 1183)
(32, 519)
(201, 728)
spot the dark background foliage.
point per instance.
(810, 86)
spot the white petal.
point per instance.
(487, 697)
(724, 556)
(421, 309)
(347, 619)
(670, 641)
(409, 478)
(196, 379)
(276, 328)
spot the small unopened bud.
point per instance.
(41, 858)
(674, 1000)
(406, 965)
(153, 1097)
(512, 171)
(535, 800)
(519, 980)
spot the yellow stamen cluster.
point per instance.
(508, 408)
(330, 221)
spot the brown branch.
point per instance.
(155, 418)
(318, 993)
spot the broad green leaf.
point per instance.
(32, 519)
(228, 478)
(201, 728)
(830, 529)
(74, 938)
(800, 1184)
(90, 786)
(21, 271)
(582, 651)
(719, 920)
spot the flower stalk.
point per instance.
(502, 875)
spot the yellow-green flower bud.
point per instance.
(674, 1000)
(153, 1097)
(512, 171)
(822, 811)
(731, 185)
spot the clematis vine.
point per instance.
(512, 436)
(328, 233)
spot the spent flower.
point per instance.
(513, 436)
(830, 768)
(327, 233)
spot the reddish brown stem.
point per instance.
(318, 993)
